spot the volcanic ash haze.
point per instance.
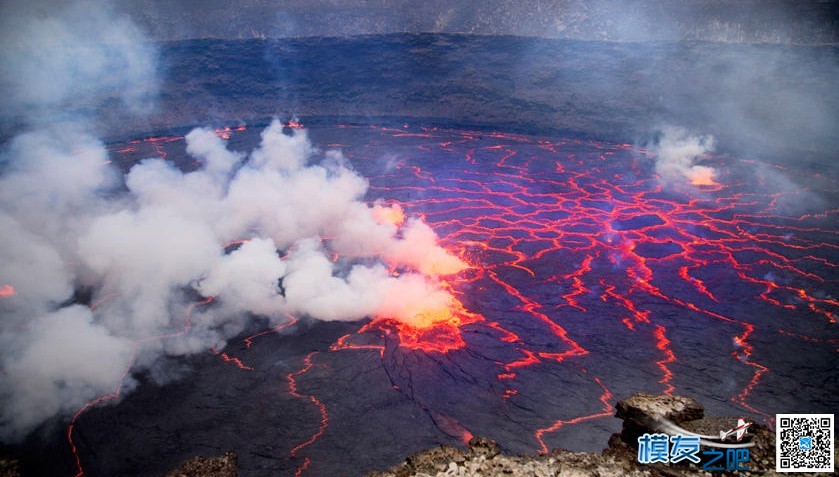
(69, 222)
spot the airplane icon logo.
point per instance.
(738, 431)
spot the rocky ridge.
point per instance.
(221, 466)
(639, 412)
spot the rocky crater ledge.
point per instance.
(221, 466)
(640, 414)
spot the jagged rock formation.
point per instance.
(640, 413)
(221, 466)
(9, 467)
(483, 458)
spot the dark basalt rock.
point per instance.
(9, 467)
(221, 466)
(483, 446)
(643, 407)
(641, 412)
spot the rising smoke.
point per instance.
(677, 154)
(70, 222)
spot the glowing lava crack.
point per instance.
(588, 278)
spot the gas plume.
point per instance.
(143, 245)
(677, 153)
(66, 226)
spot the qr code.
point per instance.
(804, 442)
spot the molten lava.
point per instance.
(432, 330)
(294, 123)
(228, 131)
(573, 277)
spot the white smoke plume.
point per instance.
(312, 245)
(141, 249)
(677, 153)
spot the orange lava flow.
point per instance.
(294, 123)
(234, 361)
(324, 417)
(250, 339)
(745, 355)
(606, 411)
(435, 331)
(343, 343)
(227, 131)
(663, 344)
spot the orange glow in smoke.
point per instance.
(388, 215)
(703, 177)
(6, 291)
(433, 330)
(443, 265)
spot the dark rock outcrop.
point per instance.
(483, 458)
(9, 467)
(641, 413)
(221, 466)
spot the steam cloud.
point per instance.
(68, 222)
(677, 153)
